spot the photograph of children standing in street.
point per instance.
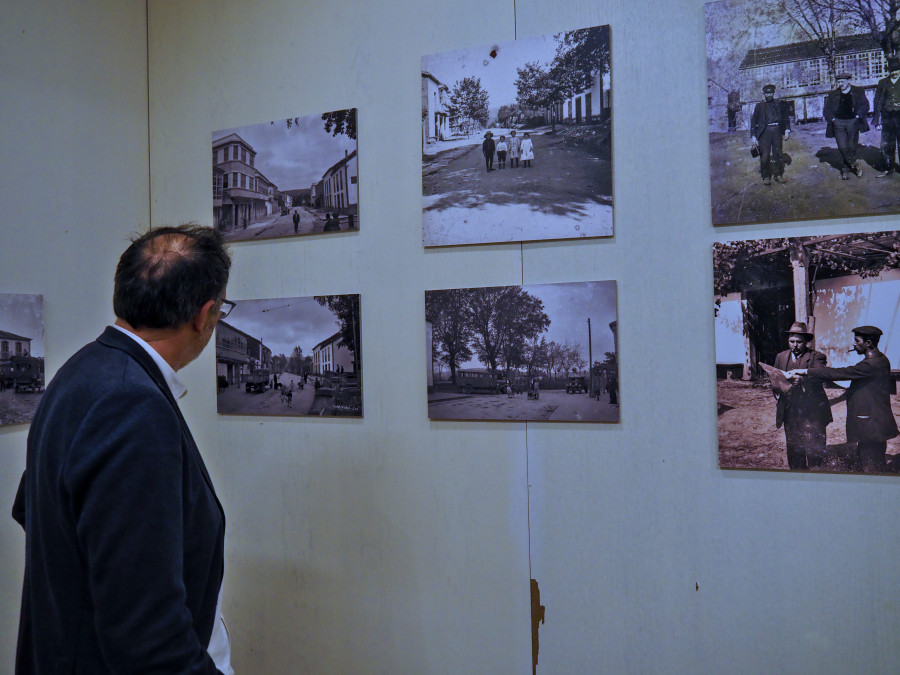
(807, 352)
(523, 353)
(21, 356)
(804, 109)
(286, 178)
(291, 357)
(517, 140)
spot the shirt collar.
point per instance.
(176, 386)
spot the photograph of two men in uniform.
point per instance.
(804, 109)
(808, 352)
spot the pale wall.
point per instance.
(73, 116)
(396, 545)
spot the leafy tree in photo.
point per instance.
(451, 332)
(280, 363)
(508, 115)
(502, 319)
(581, 55)
(346, 311)
(469, 101)
(295, 361)
(534, 87)
(341, 122)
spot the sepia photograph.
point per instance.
(807, 334)
(804, 109)
(21, 356)
(543, 352)
(286, 178)
(291, 357)
(517, 141)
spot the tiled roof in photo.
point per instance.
(802, 51)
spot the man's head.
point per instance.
(865, 338)
(798, 337)
(893, 66)
(769, 91)
(843, 81)
(167, 275)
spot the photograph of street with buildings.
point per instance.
(286, 178)
(517, 140)
(807, 334)
(291, 357)
(21, 356)
(523, 353)
(804, 109)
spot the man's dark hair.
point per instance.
(167, 274)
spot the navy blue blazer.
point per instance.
(124, 534)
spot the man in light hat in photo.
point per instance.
(769, 125)
(886, 116)
(803, 409)
(870, 420)
(845, 112)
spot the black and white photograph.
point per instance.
(545, 352)
(517, 140)
(804, 109)
(286, 178)
(807, 336)
(21, 356)
(291, 357)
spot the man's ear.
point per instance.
(201, 319)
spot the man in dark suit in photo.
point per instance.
(770, 124)
(803, 409)
(886, 115)
(124, 534)
(845, 112)
(870, 420)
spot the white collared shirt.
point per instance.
(219, 647)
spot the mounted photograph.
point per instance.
(807, 336)
(21, 356)
(286, 178)
(804, 109)
(292, 357)
(543, 353)
(517, 141)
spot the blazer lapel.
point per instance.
(114, 338)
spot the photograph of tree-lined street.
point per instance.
(836, 160)
(517, 140)
(523, 353)
(21, 356)
(286, 178)
(291, 357)
(769, 293)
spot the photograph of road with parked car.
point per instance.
(21, 356)
(523, 353)
(517, 140)
(290, 357)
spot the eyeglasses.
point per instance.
(225, 308)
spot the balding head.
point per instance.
(166, 275)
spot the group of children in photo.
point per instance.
(514, 149)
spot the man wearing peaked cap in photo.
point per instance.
(769, 125)
(870, 421)
(803, 409)
(845, 112)
(124, 534)
(886, 115)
